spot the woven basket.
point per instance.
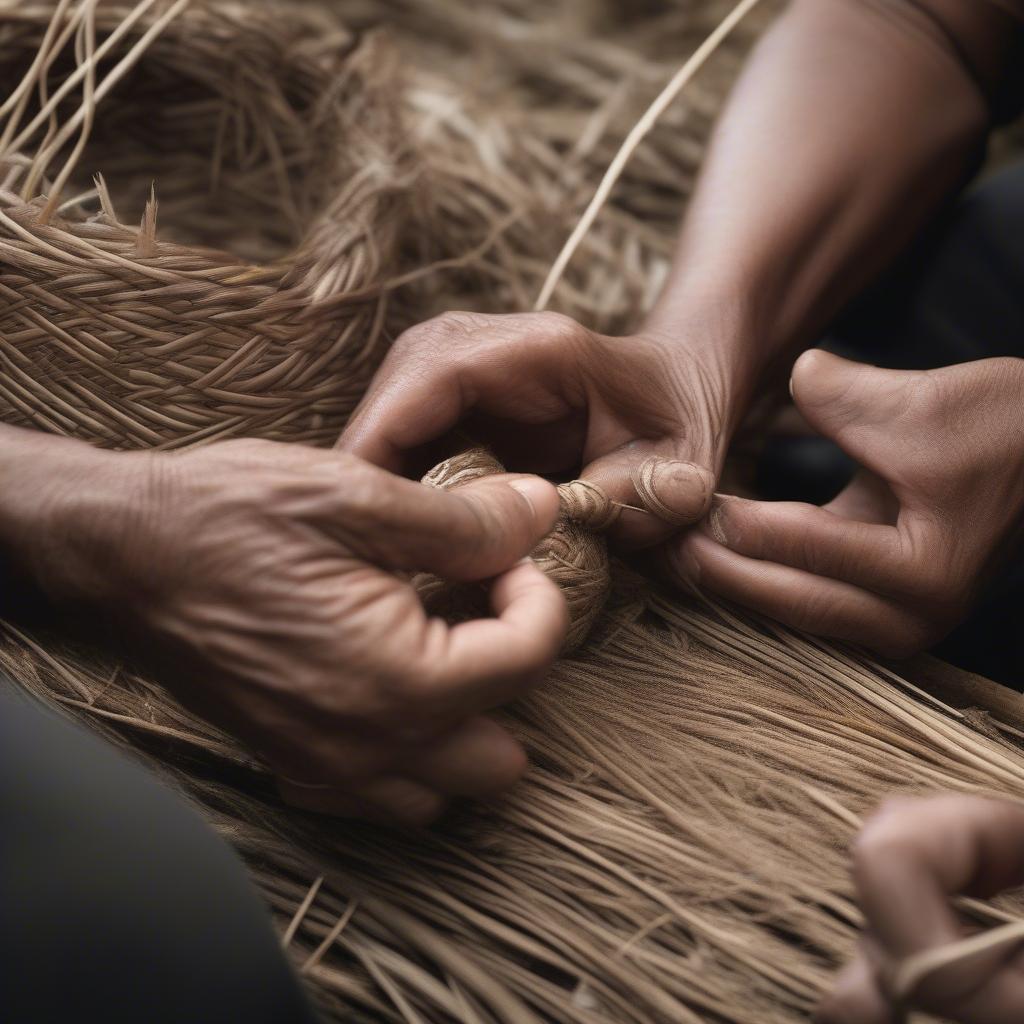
(250, 301)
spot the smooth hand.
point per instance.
(269, 579)
(897, 559)
(910, 860)
(642, 416)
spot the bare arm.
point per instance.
(854, 119)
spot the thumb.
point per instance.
(482, 528)
(854, 404)
(475, 531)
(662, 492)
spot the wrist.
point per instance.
(61, 504)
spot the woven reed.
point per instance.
(678, 849)
(574, 554)
(273, 139)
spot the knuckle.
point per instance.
(557, 329)
(362, 488)
(442, 331)
(243, 449)
(926, 393)
(814, 553)
(541, 332)
(413, 695)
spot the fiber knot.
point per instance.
(585, 503)
(573, 555)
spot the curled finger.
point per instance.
(477, 665)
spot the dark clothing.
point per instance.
(118, 903)
(957, 296)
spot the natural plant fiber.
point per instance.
(280, 140)
(677, 851)
(574, 554)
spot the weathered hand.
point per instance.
(896, 560)
(551, 397)
(911, 858)
(267, 576)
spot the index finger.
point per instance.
(405, 406)
(478, 665)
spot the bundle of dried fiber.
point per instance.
(518, 108)
(678, 850)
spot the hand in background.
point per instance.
(549, 396)
(266, 579)
(911, 858)
(896, 560)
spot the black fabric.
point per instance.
(957, 296)
(118, 903)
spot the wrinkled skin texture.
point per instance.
(550, 396)
(269, 579)
(910, 860)
(898, 557)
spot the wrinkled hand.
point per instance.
(549, 396)
(268, 576)
(909, 861)
(897, 559)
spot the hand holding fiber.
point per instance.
(574, 555)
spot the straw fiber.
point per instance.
(327, 172)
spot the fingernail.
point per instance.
(536, 491)
(674, 490)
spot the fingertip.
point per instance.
(317, 798)
(542, 498)
(506, 757)
(676, 491)
(525, 589)
(509, 516)
(490, 661)
(719, 523)
(812, 363)
(401, 801)
(808, 380)
(516, 761)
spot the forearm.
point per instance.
(853, 121)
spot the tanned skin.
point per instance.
(268, 585)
